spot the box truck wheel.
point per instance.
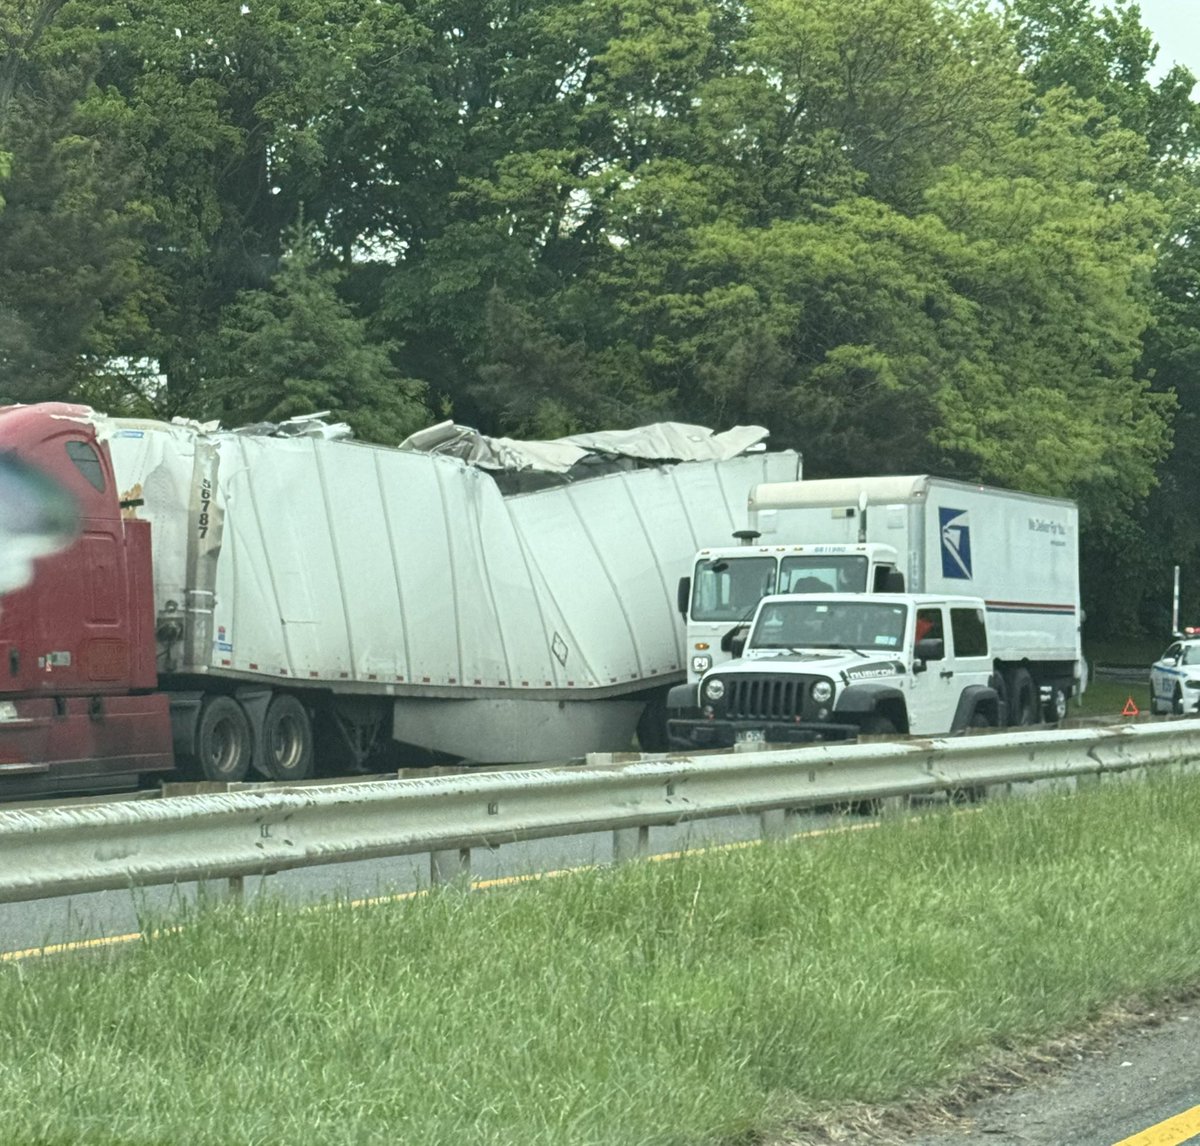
(1056, 706)
(288, 740)
(1022, 700)
(223, 740)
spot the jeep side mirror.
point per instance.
(931, 649)
(734, 641)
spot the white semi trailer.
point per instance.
(265, 600)
(923, 534)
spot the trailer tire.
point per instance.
(287, 738)
(224, 743)
(1022, 699)
(652, 725)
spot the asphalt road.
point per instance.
(1130, 1086)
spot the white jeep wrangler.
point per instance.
(830, 667)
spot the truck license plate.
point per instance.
(754, 736)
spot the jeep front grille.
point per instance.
(765, 697)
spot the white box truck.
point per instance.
(924, 534)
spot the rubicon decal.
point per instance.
(871, 672)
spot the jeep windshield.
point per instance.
(825, 624)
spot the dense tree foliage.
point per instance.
(937, 235)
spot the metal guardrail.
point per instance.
(60, 851)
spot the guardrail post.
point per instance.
(630, 844)
(777, 823)
(449, 866)
(237, 887)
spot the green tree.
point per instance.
(296, 349)
(1106, 55)
(976, 310)
(72, 281)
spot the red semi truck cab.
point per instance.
(78, 700)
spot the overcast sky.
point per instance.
(1176, 28)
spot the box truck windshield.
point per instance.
(728, 588)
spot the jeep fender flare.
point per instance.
(862, 700)
(976, 698)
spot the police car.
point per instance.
(1175, 677)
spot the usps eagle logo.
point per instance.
(956, 543)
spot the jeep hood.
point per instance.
(841, 663)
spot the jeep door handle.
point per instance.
(946, 674)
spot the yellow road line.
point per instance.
(66, 948)
(1172, 1132)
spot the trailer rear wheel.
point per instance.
(223, 740)
(288, 740)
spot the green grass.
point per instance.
(1109, 697)
(1106, 697)
(690, 1002)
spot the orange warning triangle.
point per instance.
(1130, 708)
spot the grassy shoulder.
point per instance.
(1109, 697)
(703, 1000)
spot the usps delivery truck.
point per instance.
(920, 534)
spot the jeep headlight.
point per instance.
(714, 690)
(822, 691)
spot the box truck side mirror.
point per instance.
(683, 593)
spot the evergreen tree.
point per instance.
(296, 348)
